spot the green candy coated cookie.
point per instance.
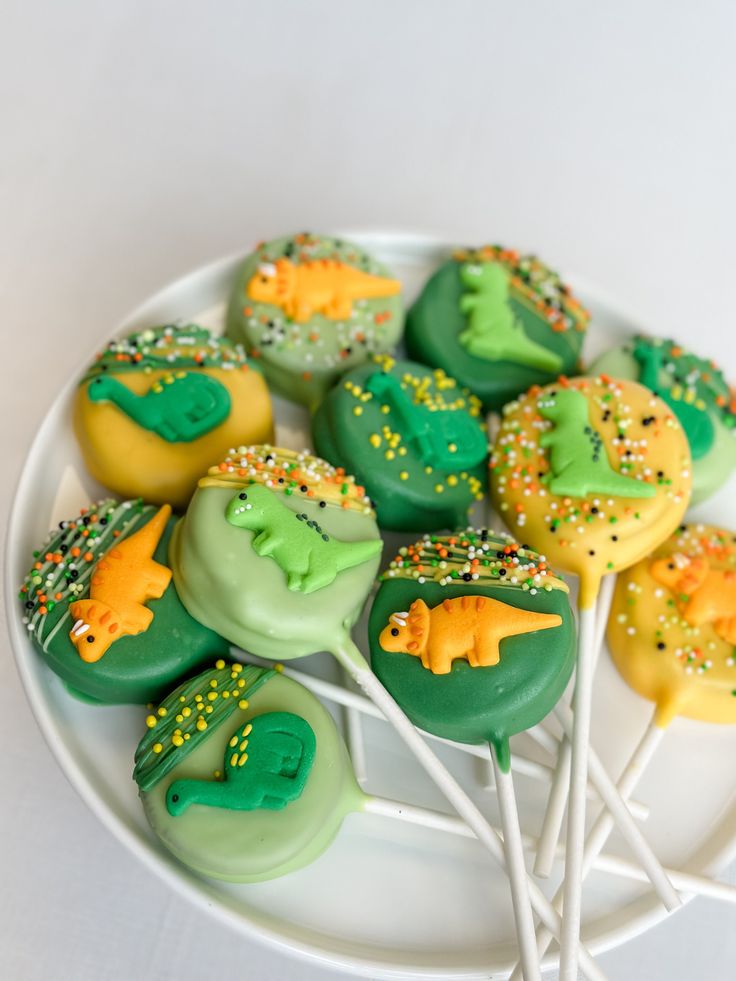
(451, 319)
(412, 436)
(311, 308)
(696, 392)
(253, 586)
(263, 842)
(135, 668)
(484, 703)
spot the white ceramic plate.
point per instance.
(386, 899)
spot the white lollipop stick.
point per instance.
(557, 800)
(622, 816)
(351, 658)
(514, 851)
(355, 742)
(600, 831)
(686, 883)
(342, 696)
(573, 882)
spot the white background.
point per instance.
(139, 139)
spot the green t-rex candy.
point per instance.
(577, 457)
(267, 763)
(178, 408)
(310, 558)
(493, 332)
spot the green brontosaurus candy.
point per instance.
(267, 764)
(179, 408)
(493, 332)
(577, 457)
(310, 558)
(433, 433)
(694, 420)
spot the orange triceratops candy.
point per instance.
(703, 595)
(465, 627)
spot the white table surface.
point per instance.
(140, 139)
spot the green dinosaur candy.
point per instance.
(279, 550)
(412, 436)
(498, 322)
(311, 308)
(473, 636)
(243, 775)
(696, 392)
(71, 601)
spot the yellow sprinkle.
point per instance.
(182, 698)
(243, 758)
(357, 410)
(198, 698)
(389, 454)
(219, 663)
(404, 475)
(452, 480)
(452, 447)
(243, 745)
(233, 742)
(187, 735)
(438, 488)
(177, 740)
(186, 712)
(385, 409)
(237, 668)
(248, 729)
(241, 682)
(278, 667)
(226, 694)
(243, 704)
(375, 440)
(212, 695)
(208, 709)
(150, 721)
(157, 747)
(162, 711)
(428, 470)
(179, 718)
(403, 451)
(213, 683)
(234, 759)
(201, 725)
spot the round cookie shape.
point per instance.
(311, 308)
(497, 321)
(102, 611)
(593, 471)
(696, 392)
(414, 438)
(277, 552)
(158, 406)
(473, 636)
(672, 628)
(243, 775)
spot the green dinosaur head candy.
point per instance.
(243, 775)
(697, 394)
(594, 472)
(473, 636)
(413, 436)
(279, 549)
(498, 322)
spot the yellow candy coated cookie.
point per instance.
(160, 406)
(592, 472)
(672, 628)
